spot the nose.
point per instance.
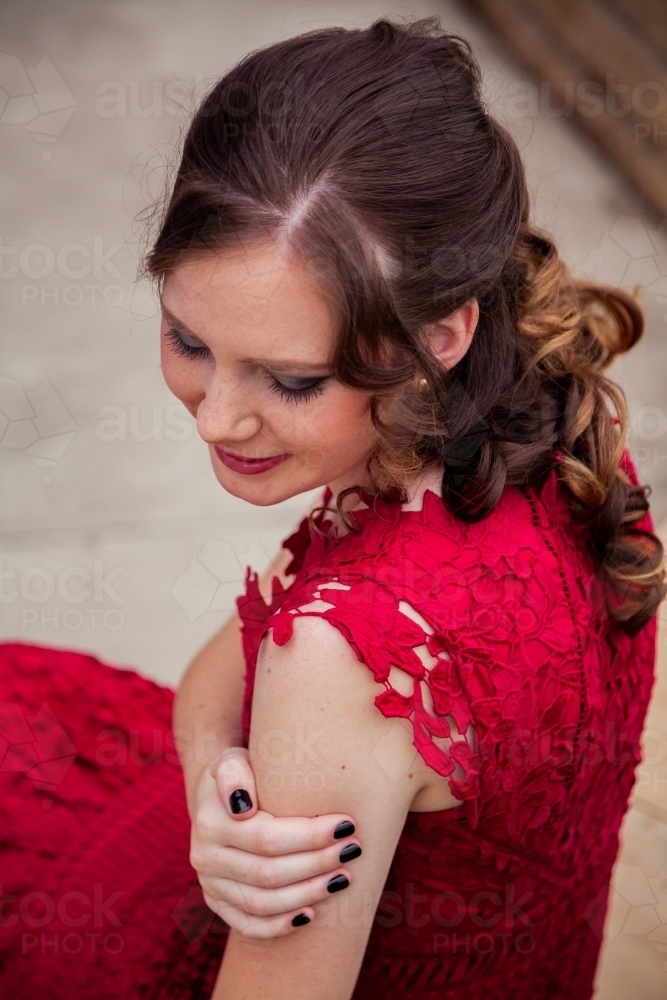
(225, 415)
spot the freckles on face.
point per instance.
(246, 342)
(185, 380)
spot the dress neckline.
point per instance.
(428, 482)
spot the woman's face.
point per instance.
(246, 341)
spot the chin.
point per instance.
(260, 494)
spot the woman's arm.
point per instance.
(209, 700)
(318, 744)
(252, 848)
(207, 707)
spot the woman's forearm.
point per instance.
(209, 700)
(208, 703)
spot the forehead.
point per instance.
(251, 299)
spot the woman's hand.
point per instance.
(261, 874)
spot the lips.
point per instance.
(248, 466)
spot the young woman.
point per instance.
(446, 673)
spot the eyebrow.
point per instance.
(275, 364)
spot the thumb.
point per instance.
(236, 783)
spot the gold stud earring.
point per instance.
(423, 386)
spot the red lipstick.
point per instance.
(248, 466)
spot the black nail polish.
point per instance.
(240, 801)
(344, 829)
(337, 883)
(300, 919)
(349, 853)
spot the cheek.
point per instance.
(183, 377)
(343, 426)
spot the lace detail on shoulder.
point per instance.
(405, 654)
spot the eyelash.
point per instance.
(185, 350)
(296, 395)
(285, 392)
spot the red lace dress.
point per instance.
(493, 639)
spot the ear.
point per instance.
(450, 338)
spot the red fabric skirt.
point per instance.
(98, 899)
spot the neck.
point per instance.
(429, 478)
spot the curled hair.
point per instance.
(369, 156)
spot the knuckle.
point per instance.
(210, 902)
(262, 875)
(258, 904)
(202, 858)
(232, 772)
(267, 842)
(209, 890)
(250, 930)
(207, 884)
(197, 859)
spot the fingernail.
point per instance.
(344, 829)
(350, 852)
(337, 883)
(240, 801)
(300, 919)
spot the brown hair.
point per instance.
(370, 154)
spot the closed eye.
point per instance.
(186, 345)
(295, 388)
(289, 387)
